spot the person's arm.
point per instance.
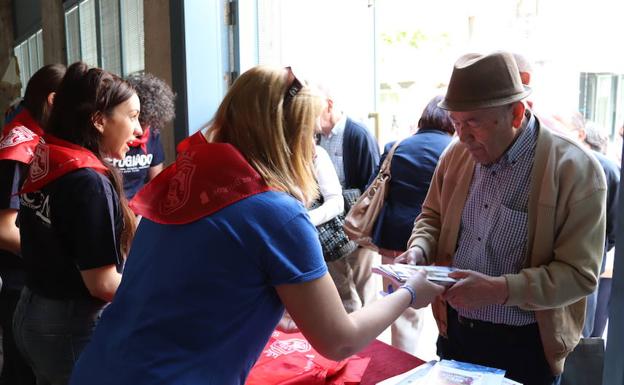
(85, 212)
(329, 186)
(422, 244)
(10, 177)
(9, 233)
(318, 312)
(613, 193)
(102, 282)
(293, 263)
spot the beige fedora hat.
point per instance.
(484, 81)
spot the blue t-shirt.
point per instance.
(197, 302)
(135, 165)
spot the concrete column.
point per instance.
(158, 56)
(6, 34)
(9, 78)
(53, 32)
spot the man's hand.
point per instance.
(474, 290)
(413, 256)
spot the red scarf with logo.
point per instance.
(20, 137)
(56, 157)
(142, 141)
(195, 139)
(205, 178)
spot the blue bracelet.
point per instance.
(411, 291)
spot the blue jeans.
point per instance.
(590, 313)
(51, 333)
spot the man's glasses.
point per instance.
(295, 85)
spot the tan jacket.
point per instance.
(566, 232)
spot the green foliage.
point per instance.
(413, 39)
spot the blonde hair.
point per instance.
(277, 140)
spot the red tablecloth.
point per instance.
(386, 361)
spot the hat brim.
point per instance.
(472, 105)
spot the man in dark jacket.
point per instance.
(355, 154)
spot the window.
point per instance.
(110, 35)
(132, 35)
(29, 55)
(107, 34)
(72, 35)
(602, 99)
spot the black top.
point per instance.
(72, 224)
(360, 155)
(136, 164)
(11, 266)
(612, 174)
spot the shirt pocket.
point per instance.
(508, 241)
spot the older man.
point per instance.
(521, 212)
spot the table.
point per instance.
(386, 361)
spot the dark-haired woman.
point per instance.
(146, 156)
(74, 223)
(22, 129)
(411, 168)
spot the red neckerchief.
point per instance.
(142, 141)
(20, 137)
(56, 157)
(205, 178)
(195, 139)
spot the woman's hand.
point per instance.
(425, 290)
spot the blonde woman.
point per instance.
(225, 245)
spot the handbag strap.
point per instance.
(385, 166)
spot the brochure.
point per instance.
(449, 372)
(411, 377)
(400, 272)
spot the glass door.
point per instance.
(326, 41)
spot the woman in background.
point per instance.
(23, 127)
(411, 169)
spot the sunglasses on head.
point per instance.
(295, 85)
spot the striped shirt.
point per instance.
(493, 234)
(333, 145)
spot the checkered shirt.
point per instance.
(333, 145)
(493, 235)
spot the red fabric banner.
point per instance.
(289, 359)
